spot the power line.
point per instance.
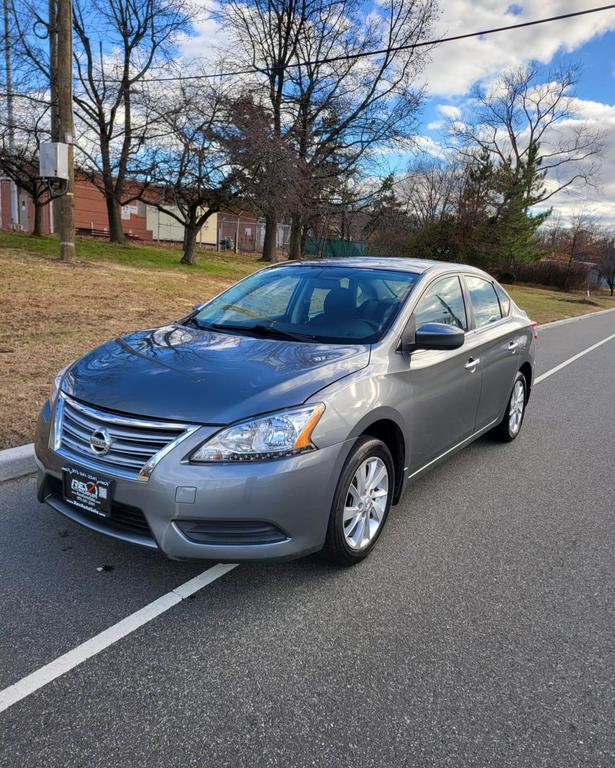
(392, 49)
(361, 54)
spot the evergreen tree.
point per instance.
(516, 189)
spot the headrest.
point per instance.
(339, 301)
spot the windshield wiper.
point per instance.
(262, 330)
(193, 321)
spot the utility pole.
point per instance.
(10, 109)
(64, 77)
(52, 31)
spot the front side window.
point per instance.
(484, 300)
(442, 302)
(311, 303)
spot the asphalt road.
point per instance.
(481, 631)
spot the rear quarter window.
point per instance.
(504, 299)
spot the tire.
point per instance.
(369, 465)
(510, 426)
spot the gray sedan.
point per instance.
(289, 413)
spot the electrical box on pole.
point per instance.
(53, 160)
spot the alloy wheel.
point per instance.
(517, 404)
(366, 503)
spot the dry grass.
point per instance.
(547, 304)
(51, 313)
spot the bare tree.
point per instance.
(328, 100)
(25, 108)
(118, 43)
(345, 104)
(524, 114)
(267, 171)
(430, 190)
(20, 139)
(606, 266)
(189, 177)
(579, 238)
(267, 34)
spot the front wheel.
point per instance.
(510, 426)
(361, 503)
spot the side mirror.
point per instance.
(432, 336)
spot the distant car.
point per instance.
(287, 414)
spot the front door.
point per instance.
(443, 386)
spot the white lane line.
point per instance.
(107, 637)
(559, 367)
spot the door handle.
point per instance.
(472, 364)
(512, 346)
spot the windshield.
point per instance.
(311, 303)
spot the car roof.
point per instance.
(417, 266)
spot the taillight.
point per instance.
(534, 328)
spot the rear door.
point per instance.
(443, 390)
(495, 344)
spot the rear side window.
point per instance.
(442, 302)
(504, 299)
(484, 300)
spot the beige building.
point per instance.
(165, 228)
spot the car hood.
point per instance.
(203, 377)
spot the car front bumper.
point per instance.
(276, 509)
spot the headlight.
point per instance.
(285, 433)
(57, 383)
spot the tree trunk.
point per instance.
(295, 246)
(190, 233)
(37, 229)
(116, 232)
(271, 227)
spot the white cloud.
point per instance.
(427, 146)
(450, 111)
(456, 66)
(601, 199)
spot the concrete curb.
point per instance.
(17, 462)
(555, 323)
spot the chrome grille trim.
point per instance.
(137, 444)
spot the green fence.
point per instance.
(330, 247)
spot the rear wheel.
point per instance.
(510, 426)
(361, 503)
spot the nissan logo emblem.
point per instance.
(100, 441)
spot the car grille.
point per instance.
(136, 444)
(123, 518)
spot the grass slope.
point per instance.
(547, 304)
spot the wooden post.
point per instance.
(64, 75)
(52, 27)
